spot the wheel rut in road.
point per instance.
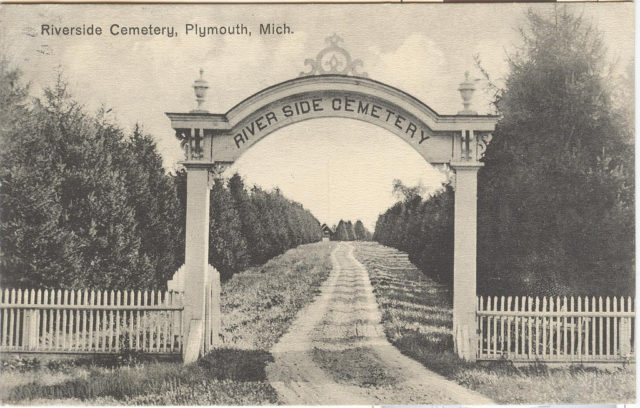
(336, 351)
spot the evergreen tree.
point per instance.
(556, 196)
(341, 232)
(252, 227)
(34, 251)
(13, 100)
(362, 234)
(421, 228)
(227, 247)
(270, 223)
(85, 206)
(157, 209)
(66, 218)
(266, 226)
(179, 179)
(351, 234)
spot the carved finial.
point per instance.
(466, 90)
(200, 87)
(333, 60)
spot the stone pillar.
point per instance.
(464, 260)
(196, 259)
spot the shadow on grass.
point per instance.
(120, 383)
(358, 366)
(236, 365)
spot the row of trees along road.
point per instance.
(347, 231)
(250, 227)
(85, 205)
(556, 195)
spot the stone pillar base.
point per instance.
(193, 343)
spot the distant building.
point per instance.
(327, 232)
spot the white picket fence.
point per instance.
(83, 321)
(582, 329)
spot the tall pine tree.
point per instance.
(556, 194)
(66, 217)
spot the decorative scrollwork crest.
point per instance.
(334, 60)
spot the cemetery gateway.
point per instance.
(332, 87)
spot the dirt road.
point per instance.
(336, 351)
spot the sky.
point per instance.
(337, 168)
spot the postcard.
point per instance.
(317, 204)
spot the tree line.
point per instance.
(422, 228)
(84, 204)
(348, 231)
(556, 195)
(248, 227)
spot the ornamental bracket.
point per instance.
(191, 143)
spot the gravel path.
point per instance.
(336, 352)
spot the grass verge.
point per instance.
(258, 307)
(417, 318)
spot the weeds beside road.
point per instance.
(258, 305)
(417, 319)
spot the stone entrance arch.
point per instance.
(333, 88)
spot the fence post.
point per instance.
(625, 337)
(625, 330)
(30, 323)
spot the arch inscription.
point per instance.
(438, 138)
(333, 104)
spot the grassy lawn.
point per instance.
(417, 317)
(258, 306)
